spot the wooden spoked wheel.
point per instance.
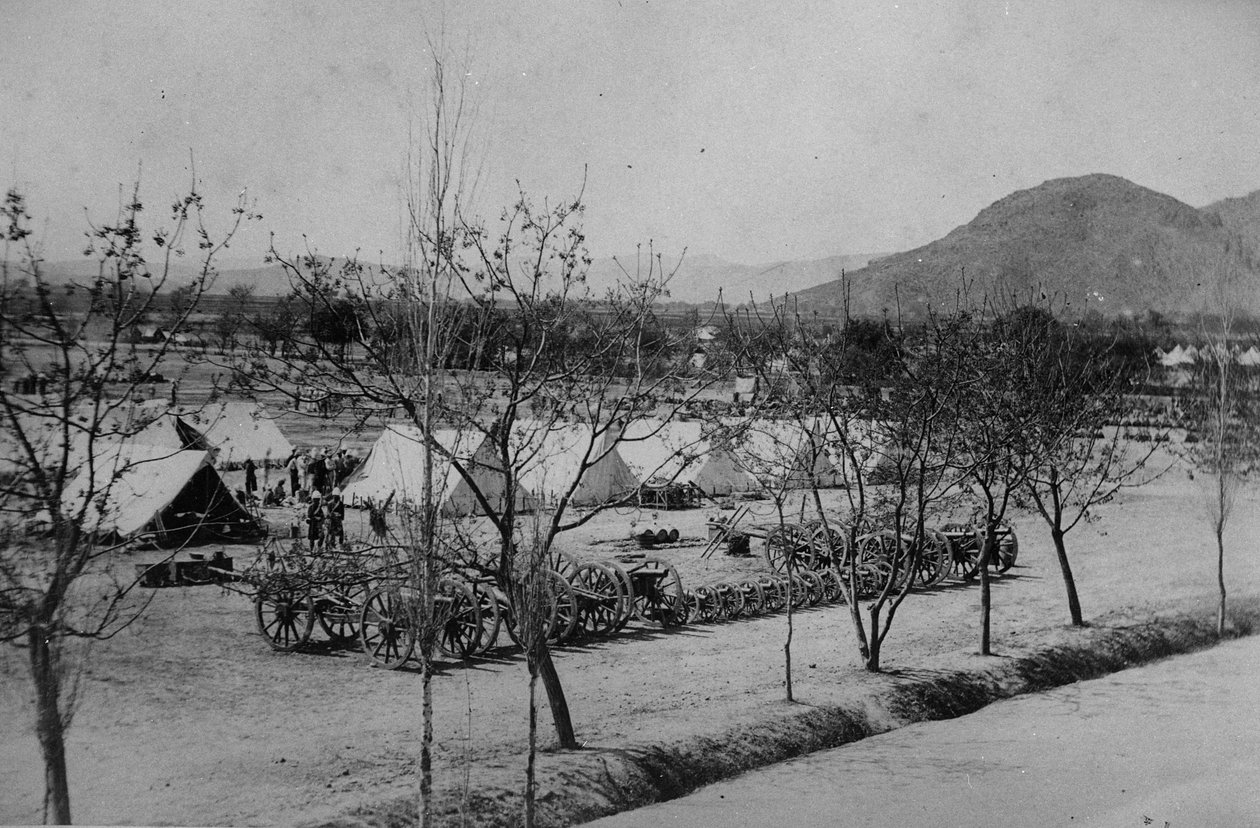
(1008, 549)
(788, 545)
(706, 605)
(385, 627)
(774, 594)
(491, 616)
(602, 598)
(627, 586)
(754, 597)
(662, 596)
(813, 587)
(564, 608)
(936, 558)
(731, 599)
(457, 615)
(967, 543)
(285, 616)
(339, 612)
(690, 607)
(829, 543)
(833, 585)
(875, 562)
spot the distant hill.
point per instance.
(1098, 241)
(1241, 216)
(700, 276)
(698, 279)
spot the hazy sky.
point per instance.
(750, 130)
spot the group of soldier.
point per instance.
(315, 481)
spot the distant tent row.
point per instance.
(549, 460)
(1179, 356)
(733, 456)
(395, 467)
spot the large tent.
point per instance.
(172, 496)
(233, 431)
(1249, 358)
(395, 466)
(781, 452)
(683, 451)
(237, 431)
(550, 460)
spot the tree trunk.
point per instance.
(426, 741)
(787, 645)
(555, 698)
(1069, 582)
(48, 727)
(1220, 582)
(530, 774)
(876, 644)
(986, 599)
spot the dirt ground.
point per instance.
(189, 718)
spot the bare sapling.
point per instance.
(73, 375)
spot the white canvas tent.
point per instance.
(395, 466)
(683, 451)
(781, 451)
(168, 431)
(1249, 358)
(871, 449)
(1177, 356)
(237, 431)
(173, 495)
(550, 458)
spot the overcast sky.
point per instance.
(754, 131)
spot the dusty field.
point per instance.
(188, 718)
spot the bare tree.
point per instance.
(1222, 414)
(876, 410)
(1073, 446)
(55, 436)
(991, 423)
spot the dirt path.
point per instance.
(188, 718)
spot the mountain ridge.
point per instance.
(1097, 242)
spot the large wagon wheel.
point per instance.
(602, 598)
(627, 586)
(285, 615)
(967, 545)
(564, 608)
(458, 615)
(339, 613)
(1008, 549)
(876, 565)
(491, 617)
(662, 599)
(386, 628)
(788, 545)
(829, 544)
(935, 559)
